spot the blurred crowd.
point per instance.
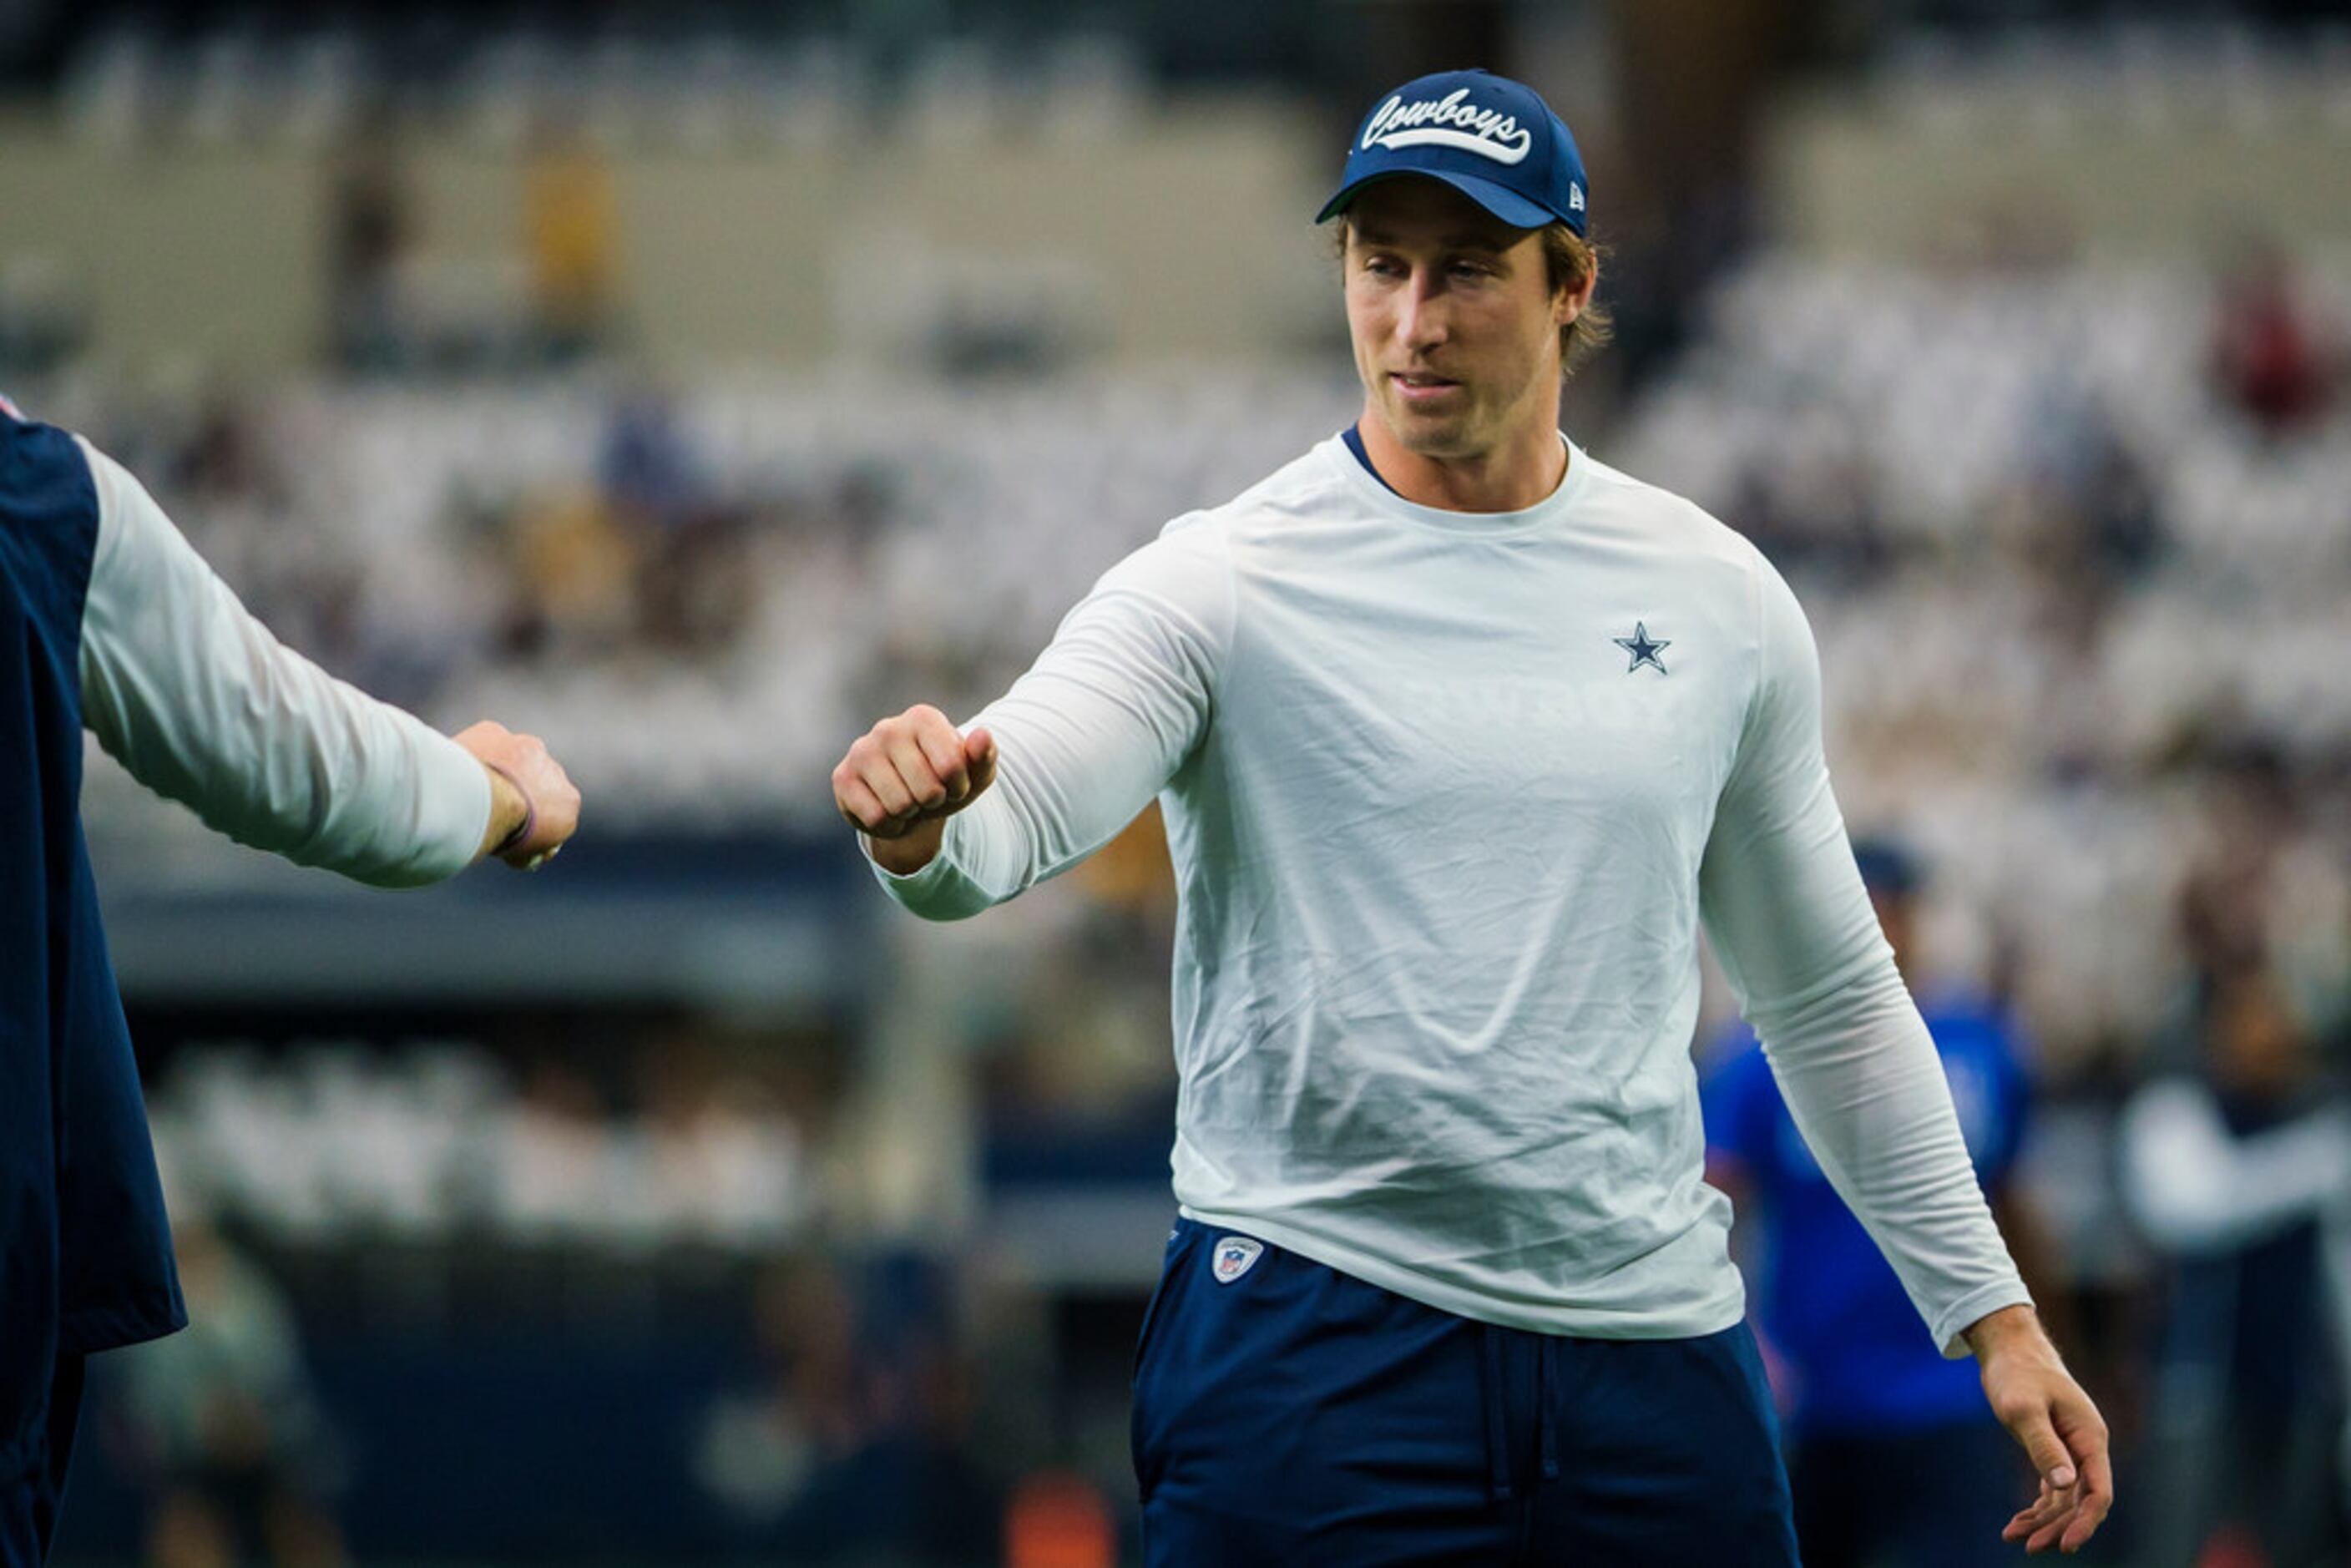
(2076, 579)
(331, 1144)
(583, 1286)
(2074, 572)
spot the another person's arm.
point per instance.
(1801, 945)
(1098, 725)
(2199, 1187)
(200, 704)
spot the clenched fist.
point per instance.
(534, 808)
(905, 776)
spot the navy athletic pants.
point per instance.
(1288, 1413)
(28, 1504)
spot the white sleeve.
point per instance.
(2197, 1188)
(1097, 727)
(202, 704)
(1802, 948)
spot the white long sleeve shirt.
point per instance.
(1442, 838)
(197, 700)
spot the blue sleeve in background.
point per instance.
(1736, 1097)
(1990, 1087)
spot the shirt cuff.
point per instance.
(453, 808)
(1971, 1309)
(943, 890)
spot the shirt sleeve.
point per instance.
(2197, 1188)
(1793, 929)
(200, 704)
(1098, 725)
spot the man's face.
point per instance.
(1454, 325)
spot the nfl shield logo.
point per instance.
(1232, 1257)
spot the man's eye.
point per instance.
(1471, 269)
(1382, 266)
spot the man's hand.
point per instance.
(2038, 1400)
(533, 806)
(905, 776)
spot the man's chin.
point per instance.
(1429, 436)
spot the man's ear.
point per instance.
(1568, 302)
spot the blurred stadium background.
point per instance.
(692, 383)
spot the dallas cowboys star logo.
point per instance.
(1644, 648)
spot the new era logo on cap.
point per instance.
(1492, 139)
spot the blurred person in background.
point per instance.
(1458, 734)
(854, 1452)
(2236, 1161)
(371, 227)
(571, 225)
(224, 1427)
(695, 589)
(2274, 359)
(109, 619)
(574, 582)
(1893, 1455)
(760, 1452)
(647, 463)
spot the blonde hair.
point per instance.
(1568, 260)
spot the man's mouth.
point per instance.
(1418, 386)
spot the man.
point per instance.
(2235, 1158)
(1893, 1457)
(1458, 733)
(109, 620)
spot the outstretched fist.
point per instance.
(534, 809)
(908, 774)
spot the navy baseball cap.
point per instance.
(1493, 140)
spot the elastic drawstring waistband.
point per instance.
(1497, 1439)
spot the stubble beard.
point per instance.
(1445, 435)
(1433, 434)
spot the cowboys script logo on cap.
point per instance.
(1232, 1257)
(1449, 121)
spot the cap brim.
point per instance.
(1505, 205)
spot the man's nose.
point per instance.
(1421, 315)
